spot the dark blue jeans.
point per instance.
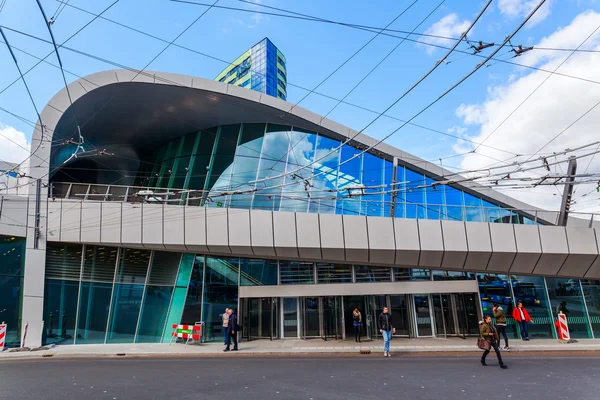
(524, 330)
(224, 335)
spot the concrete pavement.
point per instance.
(297, 347)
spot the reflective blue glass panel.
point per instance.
(531, 291)
(388, 175)
(435, 200)
(454, 204)
(495, 289)
(297, 191)
(566, 297)
(220, 291)
(192, 310)
(272, 163)
(60, 311)
(94, 304)
(154, 313)
(245, 165)
(491, 212)
(124, 314)
(415, 195)
(258, 272)
(373, 176)
(473, 209)
(349, 178)
(327, 158)
(591, 293)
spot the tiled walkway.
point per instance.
(292, 347)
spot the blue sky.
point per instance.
(313, 50)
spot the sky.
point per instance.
(513, 109)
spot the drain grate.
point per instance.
(121, 354)
(47, 355)
(365, 352)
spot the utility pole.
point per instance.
(568, 192)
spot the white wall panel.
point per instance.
(261, 230)
(382, 243)
(432, 243)
(479, 243)
(131, 228)
(54, 219)
(408, 247)
(195, 229)
(583, 251)
(308, 234)
(504, 247)
(529, 248)
(217, 237)
(455, 244)
(594, 271)
(554, 250)
(13, 215)
(91, 212)
(174, 227)
(110, 227)
(356, 240)
(284, 235)
(332, 237)
(70, 225)
(239, 231)
(152, 225)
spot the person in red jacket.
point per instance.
(521, 315)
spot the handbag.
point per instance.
(483, 344)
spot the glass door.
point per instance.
(331, 317)
(444, 313)
(423, 315)
(467, 315)
(399, 307)
(289, 319)
(311, 326)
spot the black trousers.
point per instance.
(231, 337)
(496, 349)
(357, 333)
(502, 332)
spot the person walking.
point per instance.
(489, 333)
(225, 322)
(232, 330)
(357, 317)
(501, 324)
(386, 328)
(521, 315)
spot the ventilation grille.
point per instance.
(63, 262)
(99, 264)
(133, 266)
(164, 268)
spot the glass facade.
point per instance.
(262, 68)
(98, 294)
(12, 262)
(226, 166)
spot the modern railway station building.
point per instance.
(207, 195)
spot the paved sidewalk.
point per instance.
(295, 347)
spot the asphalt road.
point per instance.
(311, 378)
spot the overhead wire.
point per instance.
(477, 67)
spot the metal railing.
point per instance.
(359, 205)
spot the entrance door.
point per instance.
(258, 317)
(289, 311)
(332, 317)
(445, 317)
(455, 314)
(423, 320)
(399, 307)
(311, 326)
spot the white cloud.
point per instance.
(13, 144)
(449, 26)
(553, 107)
(522, 8)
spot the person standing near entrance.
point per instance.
(225, 318)
(501, 324)
(232, 330)
(521, 315)
(386, 328)
(489, 333)
(357, 317)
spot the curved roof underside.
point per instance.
(118, 110)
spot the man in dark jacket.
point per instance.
(501, 324)
(232, 330)
(386, 328)
(489, 333)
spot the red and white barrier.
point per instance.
(562, 327)
(3, 329)
(186, 332)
